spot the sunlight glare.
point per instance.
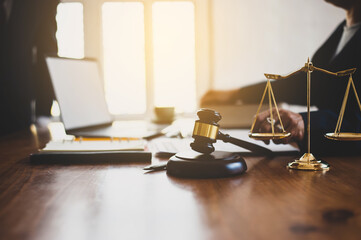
(70, 32)
(124, 57)
(174, 55)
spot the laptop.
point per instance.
(84, 112)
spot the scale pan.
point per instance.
(268, 136)
(344, 136)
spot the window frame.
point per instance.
(93, 45)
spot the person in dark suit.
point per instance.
(27, 32)
(342, 50)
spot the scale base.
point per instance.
(218, 164)
(309, 163)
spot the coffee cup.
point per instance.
(164, 114)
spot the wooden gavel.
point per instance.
(206, 132)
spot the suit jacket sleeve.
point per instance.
(322, 122)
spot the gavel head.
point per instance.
(205, 131)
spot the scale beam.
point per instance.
(280, 77)
(312, 68)
(338, 74)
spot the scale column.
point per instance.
(308, 107)
(308, 161)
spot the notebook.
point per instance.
(91, 152)
(94, 146)
(79, 91)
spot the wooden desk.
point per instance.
(121, 202)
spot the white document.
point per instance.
(243, 135)
(174, 145)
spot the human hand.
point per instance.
(219, 97)
(292, 123)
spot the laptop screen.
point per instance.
(79, 91)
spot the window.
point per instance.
(147, 50)
(174, 55)
(70, 33)
(124, 57)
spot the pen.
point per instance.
(156, 167)
(79, 139)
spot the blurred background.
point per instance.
(169, 53)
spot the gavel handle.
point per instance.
(244, 144)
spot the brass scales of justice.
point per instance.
(307, 161)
